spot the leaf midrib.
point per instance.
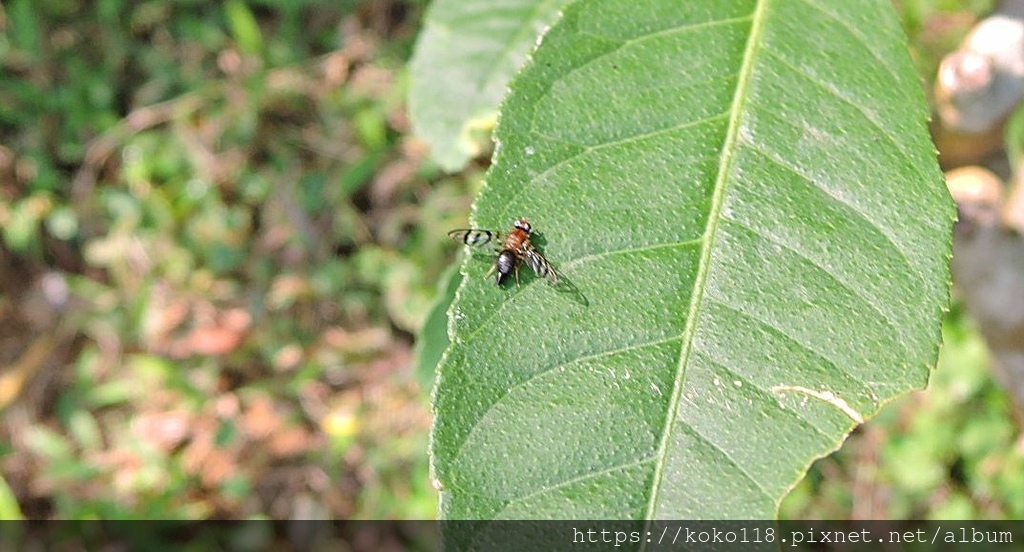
(725, 161)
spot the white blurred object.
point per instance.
(981, 83)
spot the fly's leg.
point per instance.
(493, 266)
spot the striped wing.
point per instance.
(541, 267)
(475, 236)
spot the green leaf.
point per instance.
(1013, 137)
(9, 508)
(466, 54)
(244, 27)
(745, 196)
(24, 26)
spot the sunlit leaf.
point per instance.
(745, 200)
(244, 26)
(466, 54)
(9, 508)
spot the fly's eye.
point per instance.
(524, 225)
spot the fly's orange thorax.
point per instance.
(515, 239)
(519, 237)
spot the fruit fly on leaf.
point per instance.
(514, 247)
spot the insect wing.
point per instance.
(474, 236)
(541, 267)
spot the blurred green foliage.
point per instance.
(218, 243)
(218, 240)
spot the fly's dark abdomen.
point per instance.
(504, 265)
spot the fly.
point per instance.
(514, 248)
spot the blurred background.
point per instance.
(219, 241)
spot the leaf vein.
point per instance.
(579, 478)
(507, 211)
(882, 60)
(853, 208)
(729, 145)
(481, 326)
(837, 92)
(548, 370)
(602, 254)
(778, 331)
(728, 458)
(764, 394)
(678, 29)
(586, 148)
(859, 294)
